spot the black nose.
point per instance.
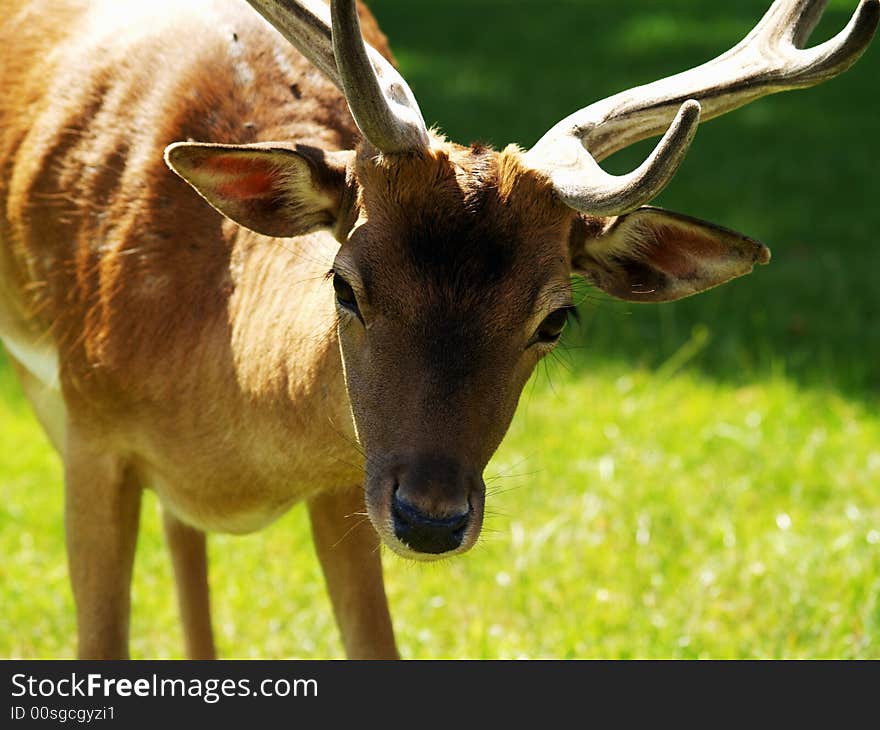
(424, 533)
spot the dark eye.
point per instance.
(345, 296)
(552, 326)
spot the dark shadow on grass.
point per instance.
(797, 170)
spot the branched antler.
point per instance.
(770, 59)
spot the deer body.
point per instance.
(112, 280)
(128, 280)
(355, 329)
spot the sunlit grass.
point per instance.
(695, 479)
(630, 515)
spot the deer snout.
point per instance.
(432, 506)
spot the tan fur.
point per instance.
(180, 352)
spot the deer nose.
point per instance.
(426, 533)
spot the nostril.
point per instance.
(402, 511)
(460, 521)
(425, 533)
(411, 515)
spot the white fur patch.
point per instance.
(40, 360)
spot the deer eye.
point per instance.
(345, 296)
(551, 328)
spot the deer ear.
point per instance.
(653, 255)
(271, 189)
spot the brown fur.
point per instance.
(456, 256)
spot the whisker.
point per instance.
(350, 530)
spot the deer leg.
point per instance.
(102, 509)
(348, 548)
(189, 556)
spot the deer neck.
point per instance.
(283, 323)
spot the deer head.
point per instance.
(453, 274)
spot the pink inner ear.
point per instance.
(242, 178)
(682, 252)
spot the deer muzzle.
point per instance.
(425, 506)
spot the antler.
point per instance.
(769, 59)
(381, 102)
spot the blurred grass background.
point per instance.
(699, 479)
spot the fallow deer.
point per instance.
(355, 329)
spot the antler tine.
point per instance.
(585, 186)
(791, 20)
(381, 102)
(836, 55)
(786, 27)
(768, 60)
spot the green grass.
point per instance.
(696, 479)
